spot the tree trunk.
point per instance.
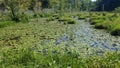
(14, 17)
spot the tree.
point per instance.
(107, 5)
(15, 7)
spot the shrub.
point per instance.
(71, 21)
(116, 30)
(38, 15)
(99, 26)
(103, 25)
(93, 22)
(81, 17)
(24, 18)
(63, 19)
(45, 15)
(4, 17)
(56, 16)
(35, 15)
(50, 19)
(67, 20)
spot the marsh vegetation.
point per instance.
(44, 34)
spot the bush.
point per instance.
(103, 25)
(116, 30)
(99, 26)
(71, 21)
(50, 19)
(4, 17)
(35, 15)
(24, 18)
(38, 15)
(45, 15)
(63, 19)
(81, 18)
(93, 22)
(67, 20)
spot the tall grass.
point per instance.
(108, 21)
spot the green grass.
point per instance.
(6, 23)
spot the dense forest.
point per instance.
(107, 5)
(71, 5)
(59, 33)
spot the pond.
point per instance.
(98, 41)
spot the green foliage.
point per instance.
(105, 25)
(116, 30)
(6, 23)
(82, 16)
(16, 7)
(50, 19)
(96, 21)
(108, 21)
(67, 20)
(47, 57)
(35, 15)
(63, 19)
(24, 17)
(39, 15)
(71, 21)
